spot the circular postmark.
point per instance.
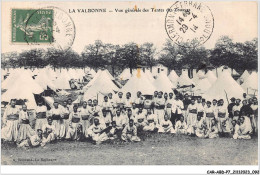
(189, 23)
(52, 26)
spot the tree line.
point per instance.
(236, 55)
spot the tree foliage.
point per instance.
(236, 55)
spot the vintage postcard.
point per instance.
(130, 83)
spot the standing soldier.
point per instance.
(186, 103)
(25, 129)
(128, 101)
(106, 105)
(200, 107)
(70, 105)
(191, 117)
(177, 108)
(254, 118)
(75, 130)
(119, 101)
(56, 115)
(64, 120)
(222, 116)
(85, 119)
(41, 119)
(236, 109)
(139, 101)
(210, 114)
(10, 122)
(159, 107)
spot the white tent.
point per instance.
(173, 77)
(62, 81)
(250, 85)
(9, 81)
(102, 84)
(211, 77)
(99, 75)
(44, 81)
(245, 75)
(224, 88)
(139, 82)
(184, 79)
(162, 83)
(23, 88)
(149, 75)
(198, 76)
(202, 86)
(125, 75)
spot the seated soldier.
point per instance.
(235, 128)
(200, 127)
(129, 133)
(112, 131)
(33, 141)
(106, 118)
(181, 126)
(75, 125)
(243, 132)
(49, 131)
(120, 120)
(152, 121)
(140, 119)
(213, 130)
(166, 125)
(96, 132)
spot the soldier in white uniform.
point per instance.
(106, 105)
(75, 129)
(222, 117)
(25, 130)
(10, 122)
(140, 118)
(166, 126)
(56, 114)
(64, 119)
(139, 100)
(120, 101)
(209, 114)
(85, 118)
(129, 132)
(70, 105)
(159, 107)
(236, 109)
(176, 109)
(120, 120)
(254, 116)
(33, 141)
(128, 101)
(96, 132)
(49, 132)
(191, 117)
(243, 132)
(200, 107)
(41, 111)
(200, 127)
(181, 126)
(152, 121)
(213, 130)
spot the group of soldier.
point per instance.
(120, 116)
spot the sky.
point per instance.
(238, 20)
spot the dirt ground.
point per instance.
(155, 149)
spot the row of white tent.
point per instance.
(21, 85)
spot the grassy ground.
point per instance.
(156, 149)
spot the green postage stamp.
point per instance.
(32, 25)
